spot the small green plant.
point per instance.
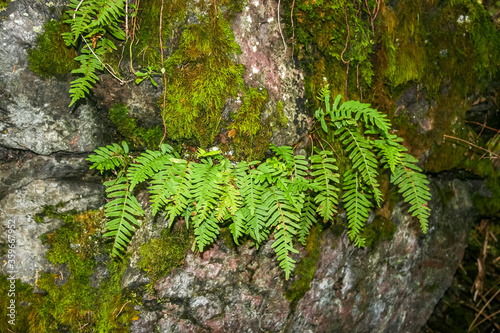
(281, 196)
(91, 23)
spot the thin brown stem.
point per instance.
(164, 80)
(481, 311)
(473, 145)
(293, 28)
(348, 34)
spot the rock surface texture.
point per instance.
(392, 287)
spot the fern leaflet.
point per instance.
(121, 210)
(413, 186)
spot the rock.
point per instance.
(34, 113)
(392, 287)
(25, 187)
(269, 64)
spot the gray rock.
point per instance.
(34, 113)
(25, 188)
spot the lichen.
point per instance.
(52, 58)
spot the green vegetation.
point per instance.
(4, 4)
(69, 302)
(92, 22)
(160, 255)
(252, 127)
(136, 136)
(306, 267)
(280, 196)
(52, 58)
(201, 78)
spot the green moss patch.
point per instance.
(135, 135)
(306, 267)
(68, 302)
(160, 255)
(52, 58)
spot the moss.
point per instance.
(226, 235)
(160, 255)
(306, 267)
(51, 211)
(4, 4)
(23, 293)
(382, 228)
(489, 206)
(201, 77)
(68, 302)
(52, 58)
(136, 136)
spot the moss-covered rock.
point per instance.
(52, 58)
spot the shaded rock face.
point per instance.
(34, 113)
(390, 288)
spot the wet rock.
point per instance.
(413, 103)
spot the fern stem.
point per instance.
(106, 66)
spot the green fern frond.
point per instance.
(391, 151)
(146, 165)
(108, 13)
(357, 207)
(230, 200)
(363, 159)
(412, 185)
(83, 84)
(170, 189)
(238, 227)
(325, 183)
(121, 212)
(110, 157)
(370, 116)
(308, 218)
(206, 179)
(285, 219)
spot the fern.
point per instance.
(282, 196)
(355, 125)
(206, 190)
(90, 21)
(170, 188)
(413, 186)
(148, 164)
(284, 218)
(357, 207)
(325, 180)
(110, 157)
(121, 212)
